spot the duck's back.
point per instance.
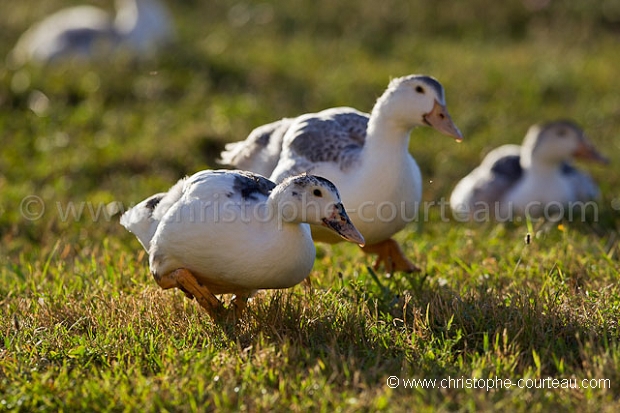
(486, 185)
(260, 152)
(292, 146)
(144, 218)
(319, 143)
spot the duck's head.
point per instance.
(314, 200)
(418, 100)
(556, 142)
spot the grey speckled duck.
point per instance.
(515, 180)
(366, 156)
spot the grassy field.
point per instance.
(84, 327)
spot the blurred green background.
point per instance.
(119, 130)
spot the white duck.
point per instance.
(528, 179)
(366, 156)
(234, 232)
(140, 26)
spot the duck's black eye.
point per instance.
(562, 133)
(419, 89)
(317, 193)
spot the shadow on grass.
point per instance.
(430, 332)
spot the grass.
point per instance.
(84, 327)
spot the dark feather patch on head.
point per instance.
(305, 180)
(325, 182)
(429, 81)
(433, 84)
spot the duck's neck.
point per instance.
(286, 213)
(127, 14)
(540, 170)
(386, 134)
(538, 166)
(385, 152)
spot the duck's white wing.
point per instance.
(225, 184)
(209, 225)
(486, 185)
(584, 186)
(143, 219)
(260, 152)
(201, 189)
(334, 136)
